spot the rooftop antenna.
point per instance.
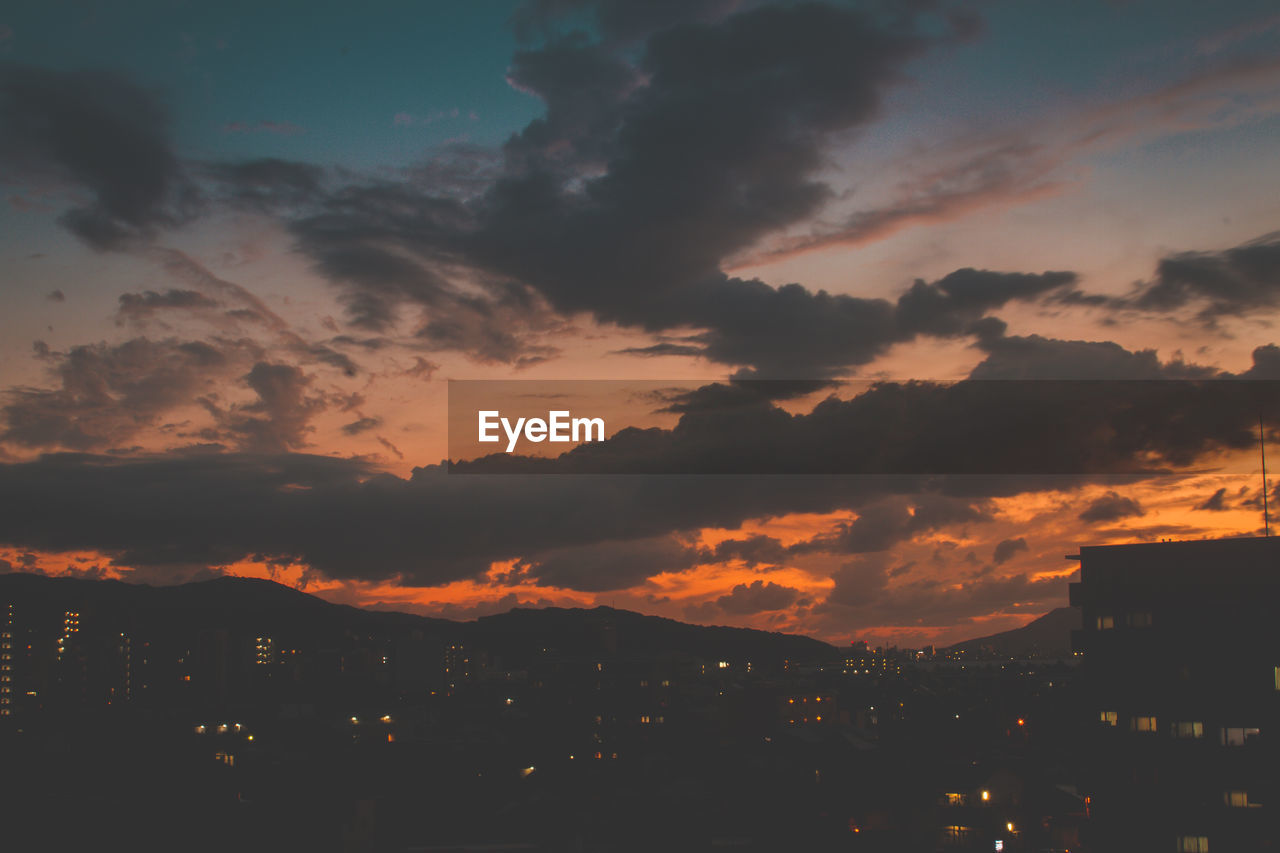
(1262, 446)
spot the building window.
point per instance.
(955, 799)
(1237, 735)
(1276, 672)
(956, 834)
(1187, 729)
(1193, 844)
(1140, 619)
(1108, 718)
(1237, 799)
(1105, 623)
(1142, 724)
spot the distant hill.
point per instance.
(635, 634)
(250, 605)
(1047, 636)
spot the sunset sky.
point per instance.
(245, 247)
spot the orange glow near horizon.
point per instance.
(945, 559)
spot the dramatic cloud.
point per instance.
(344, 521)
(1215, 502)
(884, 524)
(279, 419)
(108, 393)
(1111, 507)
(1006, 549)
(969, 427)
(362, 425)
(1224, 284)
(1239, 282)
(608, 565)
(865, 596)
(646, 175)
(136, 306)
(753, 551)
(101, 132)
(595, 532)
(757, 597)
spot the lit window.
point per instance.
(1105, 622)
(955, 799)
(1187, 729)
(1237, 735)
(1277, 676)
(1193, 844)
(1142, 724)
(1236, 799)
(1108, 717)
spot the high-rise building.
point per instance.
(7, 664)
(1181, 669)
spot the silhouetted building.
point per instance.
(7, 630)
(1181, 665)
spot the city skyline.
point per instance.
(246, 248)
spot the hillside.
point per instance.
(1045, 637)
(249, 605)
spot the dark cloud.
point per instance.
(1033, 357)
(969, 427)
(1231, 283)
(663, 349)
(949, 306)
(1111, 506)
(1006, 549)
(342, 520)
(198, 277)
(1266, 363)
(1237, 282)
(757, 597)
(609, 565)
(326, 355)
(860, 581)
(754, 551)
(887, 523)
(361, 425)
(583, 86)
(1217, 502)
(864, 597)
(649, 168)
(280, 418)
(108, 393)
(57, 296)
(139, 306)
(99, 131)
